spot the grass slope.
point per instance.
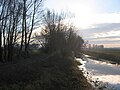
(37, 73)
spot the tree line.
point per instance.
(60, 37)
(18, 19)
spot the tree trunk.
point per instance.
(1, 51)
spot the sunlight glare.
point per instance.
(84, 14)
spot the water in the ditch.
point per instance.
(105, 72)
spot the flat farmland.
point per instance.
(112, 51)
(111, 54)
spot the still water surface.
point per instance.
(105, 72)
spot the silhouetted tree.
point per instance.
(30, 17)
(10, 13)
(59, 37)
(15, 8)
(18, 18)
(75, 43)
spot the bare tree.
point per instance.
(15, 16)
(59, 37)
(31, 17)
(17, 20)
(10, 15)
(2, 5)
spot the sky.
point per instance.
(98, 21)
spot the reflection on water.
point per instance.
(113, 79)
(104, 71)
(106, 63)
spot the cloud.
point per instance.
(104, 33)
(101, 30)
(112, 45)
(107, 34)
(105, 42)
(106, 39)
(91, 20)
(93, 24)
(104, 27)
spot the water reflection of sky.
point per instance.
(106, 72)
(102, 69)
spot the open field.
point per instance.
(110, 54)
(113, 51)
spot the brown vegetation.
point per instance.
(37, 73)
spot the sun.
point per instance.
(84, 14)
(83, 11)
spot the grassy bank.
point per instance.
(38, 73)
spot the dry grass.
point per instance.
(36, 73)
